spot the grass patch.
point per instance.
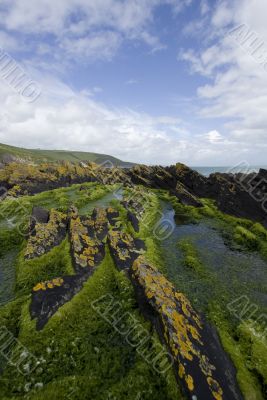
(81, 353)
(246, 238)
(247, 353)
(191, 258)
(51, 265)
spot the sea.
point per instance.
(244, 168)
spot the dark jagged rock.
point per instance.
(235, 197)
(155, 177)
(39, 215)
(240, 195)
(87, 237)
(134, 220)
(124, 248)
(185, 196)
(199, 361)
(262, 174)
(196, 353)
(49, 296)
(45, 235)
(194, 182)
(135, 202)
(112, 216)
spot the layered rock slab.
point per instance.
(45, 235)
(87, 237)
(201, 366)
(200, 363)
(124, 248)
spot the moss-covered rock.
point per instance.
(198, 357)
(45, 236)
(124, 248)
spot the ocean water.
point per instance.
(206, 171)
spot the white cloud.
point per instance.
(204, 7)
(98, 45)
(152, 41)
(85, 28)
(237, 87)
(131, 82)
(62, 118)
(8, 42)
(214, 136)
(223, 14)
(91, 30)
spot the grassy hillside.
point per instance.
(38, 155)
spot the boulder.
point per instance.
(185, 196)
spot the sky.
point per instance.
(148, 81)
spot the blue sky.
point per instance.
(151, 81)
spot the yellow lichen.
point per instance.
(215, 388)
(189, 382)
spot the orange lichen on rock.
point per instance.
(56, 282)
(182, 328)
(47, 235)
(124, 248)
(215, 388)
(87, 238)
(189, 382)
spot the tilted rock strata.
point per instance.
(124, 248)
(240, 195)
(45, 236)
(112, 216)
(88, 236)
(49, 296)
(199, 360)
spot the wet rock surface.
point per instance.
(45, 235)
(237, 194)
(135, 203)
(134, 220)
(199, 360)
(200, 364)
(88, 237)
(124, 248)
(49, 296)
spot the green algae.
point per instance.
(191, 259)
(84, 356)
(78, 346)
(81, 355)
(210, 293)
(55, 263)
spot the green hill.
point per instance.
(7, 153)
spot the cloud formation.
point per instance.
(52, 36)
(237, 82)
(85, 28)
